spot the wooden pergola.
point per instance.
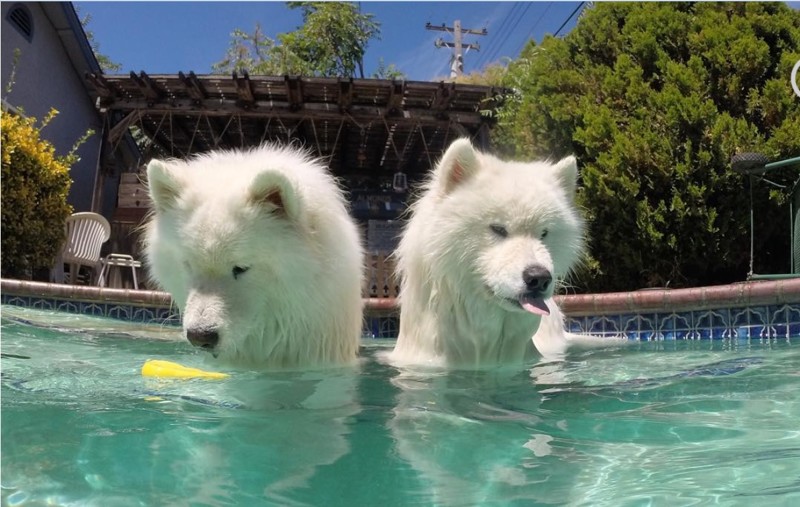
(357, 125)
(366, 130)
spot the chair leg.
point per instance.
(74, 271)
(101, 279)
(57, 273)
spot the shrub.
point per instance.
(35, 183)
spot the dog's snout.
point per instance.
(204, 338)
(537, 278)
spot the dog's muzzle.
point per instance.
(204, 338)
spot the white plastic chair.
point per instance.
(115, 260)
(86, 233)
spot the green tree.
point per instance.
(493, 74)
(105, 62)
(654, 99)
(259, 54)
(388, 71)
(331, 41)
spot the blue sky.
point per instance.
(167, 37)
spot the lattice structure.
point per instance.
(355, 124)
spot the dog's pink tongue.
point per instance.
(534, 305)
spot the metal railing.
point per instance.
(756, 164)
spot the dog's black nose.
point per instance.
(536, 278)
(203, 338)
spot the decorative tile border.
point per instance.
(747, 310)
(121, 311)
(757, 322)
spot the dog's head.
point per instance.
(511, 230)
(228, 242)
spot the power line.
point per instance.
(500, 30)
(509, 32)
(530, 35)
(567, 20)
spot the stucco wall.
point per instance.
(45, 78)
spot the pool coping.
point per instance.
(764, 308)
(749, 293)
(735, 295)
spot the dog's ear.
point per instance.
(164, 184)
(566, 173)
(458, 164)
(276, 193)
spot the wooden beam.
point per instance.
(343, 142)
(294, 92)
(194, 88)
(397, 92)
(118, 130)
(403, 157)
(266, 109)
(443, 96)
(345, 95)
(148, 88)
(100, 84)
(244, 90)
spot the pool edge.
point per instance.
(768, 308)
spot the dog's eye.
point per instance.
(499, 230)
(544, 234)
(238, 270)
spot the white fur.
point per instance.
(461, 280)
(280, 215)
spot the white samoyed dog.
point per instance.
(261, 256)
(486, 244)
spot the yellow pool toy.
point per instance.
(168, 369)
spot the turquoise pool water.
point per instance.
(661, 423)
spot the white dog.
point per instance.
(260, 254)
(487, 243)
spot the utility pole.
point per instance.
(457, 61)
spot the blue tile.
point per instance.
(388, 327)
(43, 304)
(67, 306)
(93, 309)
(604, 325)
(715, 324)
(780, 331)
(737, 324)
(121, 312)
(675, 324)
(17, 301)
(743, 317)
(638, 323)
(144, 315)
(371, 328)
(784, 315)
(576, 325)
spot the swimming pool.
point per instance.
(666, 423)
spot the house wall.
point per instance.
(46, 77)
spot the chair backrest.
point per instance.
(86, 233)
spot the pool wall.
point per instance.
(746, 310)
